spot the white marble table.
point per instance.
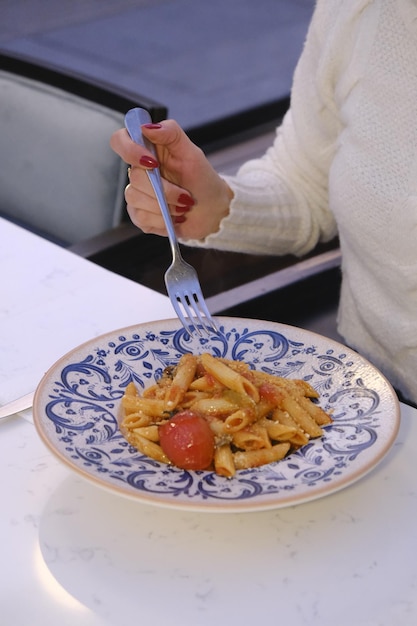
(52, 300)
(72, 553)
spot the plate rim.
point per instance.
(268, 502)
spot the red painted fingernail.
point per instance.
(185, 199)
(148, 161)
(179, 219)
(152, 126)
(182, 209)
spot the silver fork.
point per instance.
(181, 279)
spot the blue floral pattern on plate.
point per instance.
(77, 407)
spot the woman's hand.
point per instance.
(197, 196)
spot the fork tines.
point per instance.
(197, 316)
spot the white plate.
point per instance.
(77, 403)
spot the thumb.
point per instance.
(170, 135)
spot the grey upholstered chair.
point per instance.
(58, 175)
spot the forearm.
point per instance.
(281, 202)
(279, 205)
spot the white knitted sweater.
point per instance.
(345, 160)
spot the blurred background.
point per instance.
(203, 60)
(223, 69)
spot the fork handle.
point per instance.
(133, 122)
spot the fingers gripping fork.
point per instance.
(181, 279)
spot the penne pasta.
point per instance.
(283, 417)
(315, 411)
(147, 447)
(254, 417)
(150, 432)
(156, 392)
(228, 377)
(300, 415)
(206, 383)
(223, 461)
(254, 438)
(131, 390)
(255, 458)
(280, 432)
(264, 407)
(183, 377)
(136, 420)
(150, 406)
(239, 419)
(216, 406)
(218, 427)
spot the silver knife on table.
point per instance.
(15, 406)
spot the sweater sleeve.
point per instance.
(280, 202)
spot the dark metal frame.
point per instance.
(79, 84)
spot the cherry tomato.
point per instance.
(188, 441)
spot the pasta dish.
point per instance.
(214, 413)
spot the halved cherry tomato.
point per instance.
(188, 441)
